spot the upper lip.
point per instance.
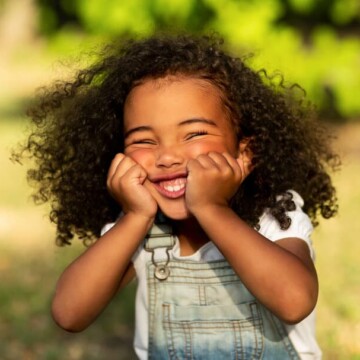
(167, 177)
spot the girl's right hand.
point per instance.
(125, 183)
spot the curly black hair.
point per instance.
(78, 129)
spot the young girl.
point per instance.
(207, 175)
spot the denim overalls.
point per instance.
(201, 310)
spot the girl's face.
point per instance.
(166, 123)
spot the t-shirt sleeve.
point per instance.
(106, 228)
(301, 226)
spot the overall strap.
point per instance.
(160, 236)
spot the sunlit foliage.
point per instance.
(313, 42)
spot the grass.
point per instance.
(28, 277)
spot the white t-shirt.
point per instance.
(302, 334)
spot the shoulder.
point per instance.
(301, 226)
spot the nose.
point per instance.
(168, 157)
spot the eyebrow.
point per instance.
(182, 123)
(198, 120)
(137, 129)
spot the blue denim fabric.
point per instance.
(203, 311)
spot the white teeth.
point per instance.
(174, 185)
(174, 188)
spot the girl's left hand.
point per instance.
(213, 179)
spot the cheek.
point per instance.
(206, 147)
(140, 156)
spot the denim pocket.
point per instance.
(213, 332)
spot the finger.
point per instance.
(136, 173)
(119, 168)
(206, 161)
(114, 164)
(233, 163)
(192, 166)
(128, 173)
(221, 160)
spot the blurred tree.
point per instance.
(55, 14)
(131, 17)
(306, 15)
(314, 42)
(193, 15)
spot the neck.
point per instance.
(191, 236)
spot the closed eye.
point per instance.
(195, 134)
(142, 141)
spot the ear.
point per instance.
(245, 155)
(245, 152)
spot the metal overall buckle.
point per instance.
(160, 236)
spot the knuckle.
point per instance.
(119, 156)
(203, 156)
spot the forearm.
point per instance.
(90, 282)
(278, 278)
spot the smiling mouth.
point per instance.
(173, 185)
(173, 188)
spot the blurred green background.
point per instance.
(315, 43)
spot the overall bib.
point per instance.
(201, 310)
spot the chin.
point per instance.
(176, 214)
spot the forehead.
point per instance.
(178, 82)
(174, 93)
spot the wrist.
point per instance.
(206, 210)
(140, 220)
